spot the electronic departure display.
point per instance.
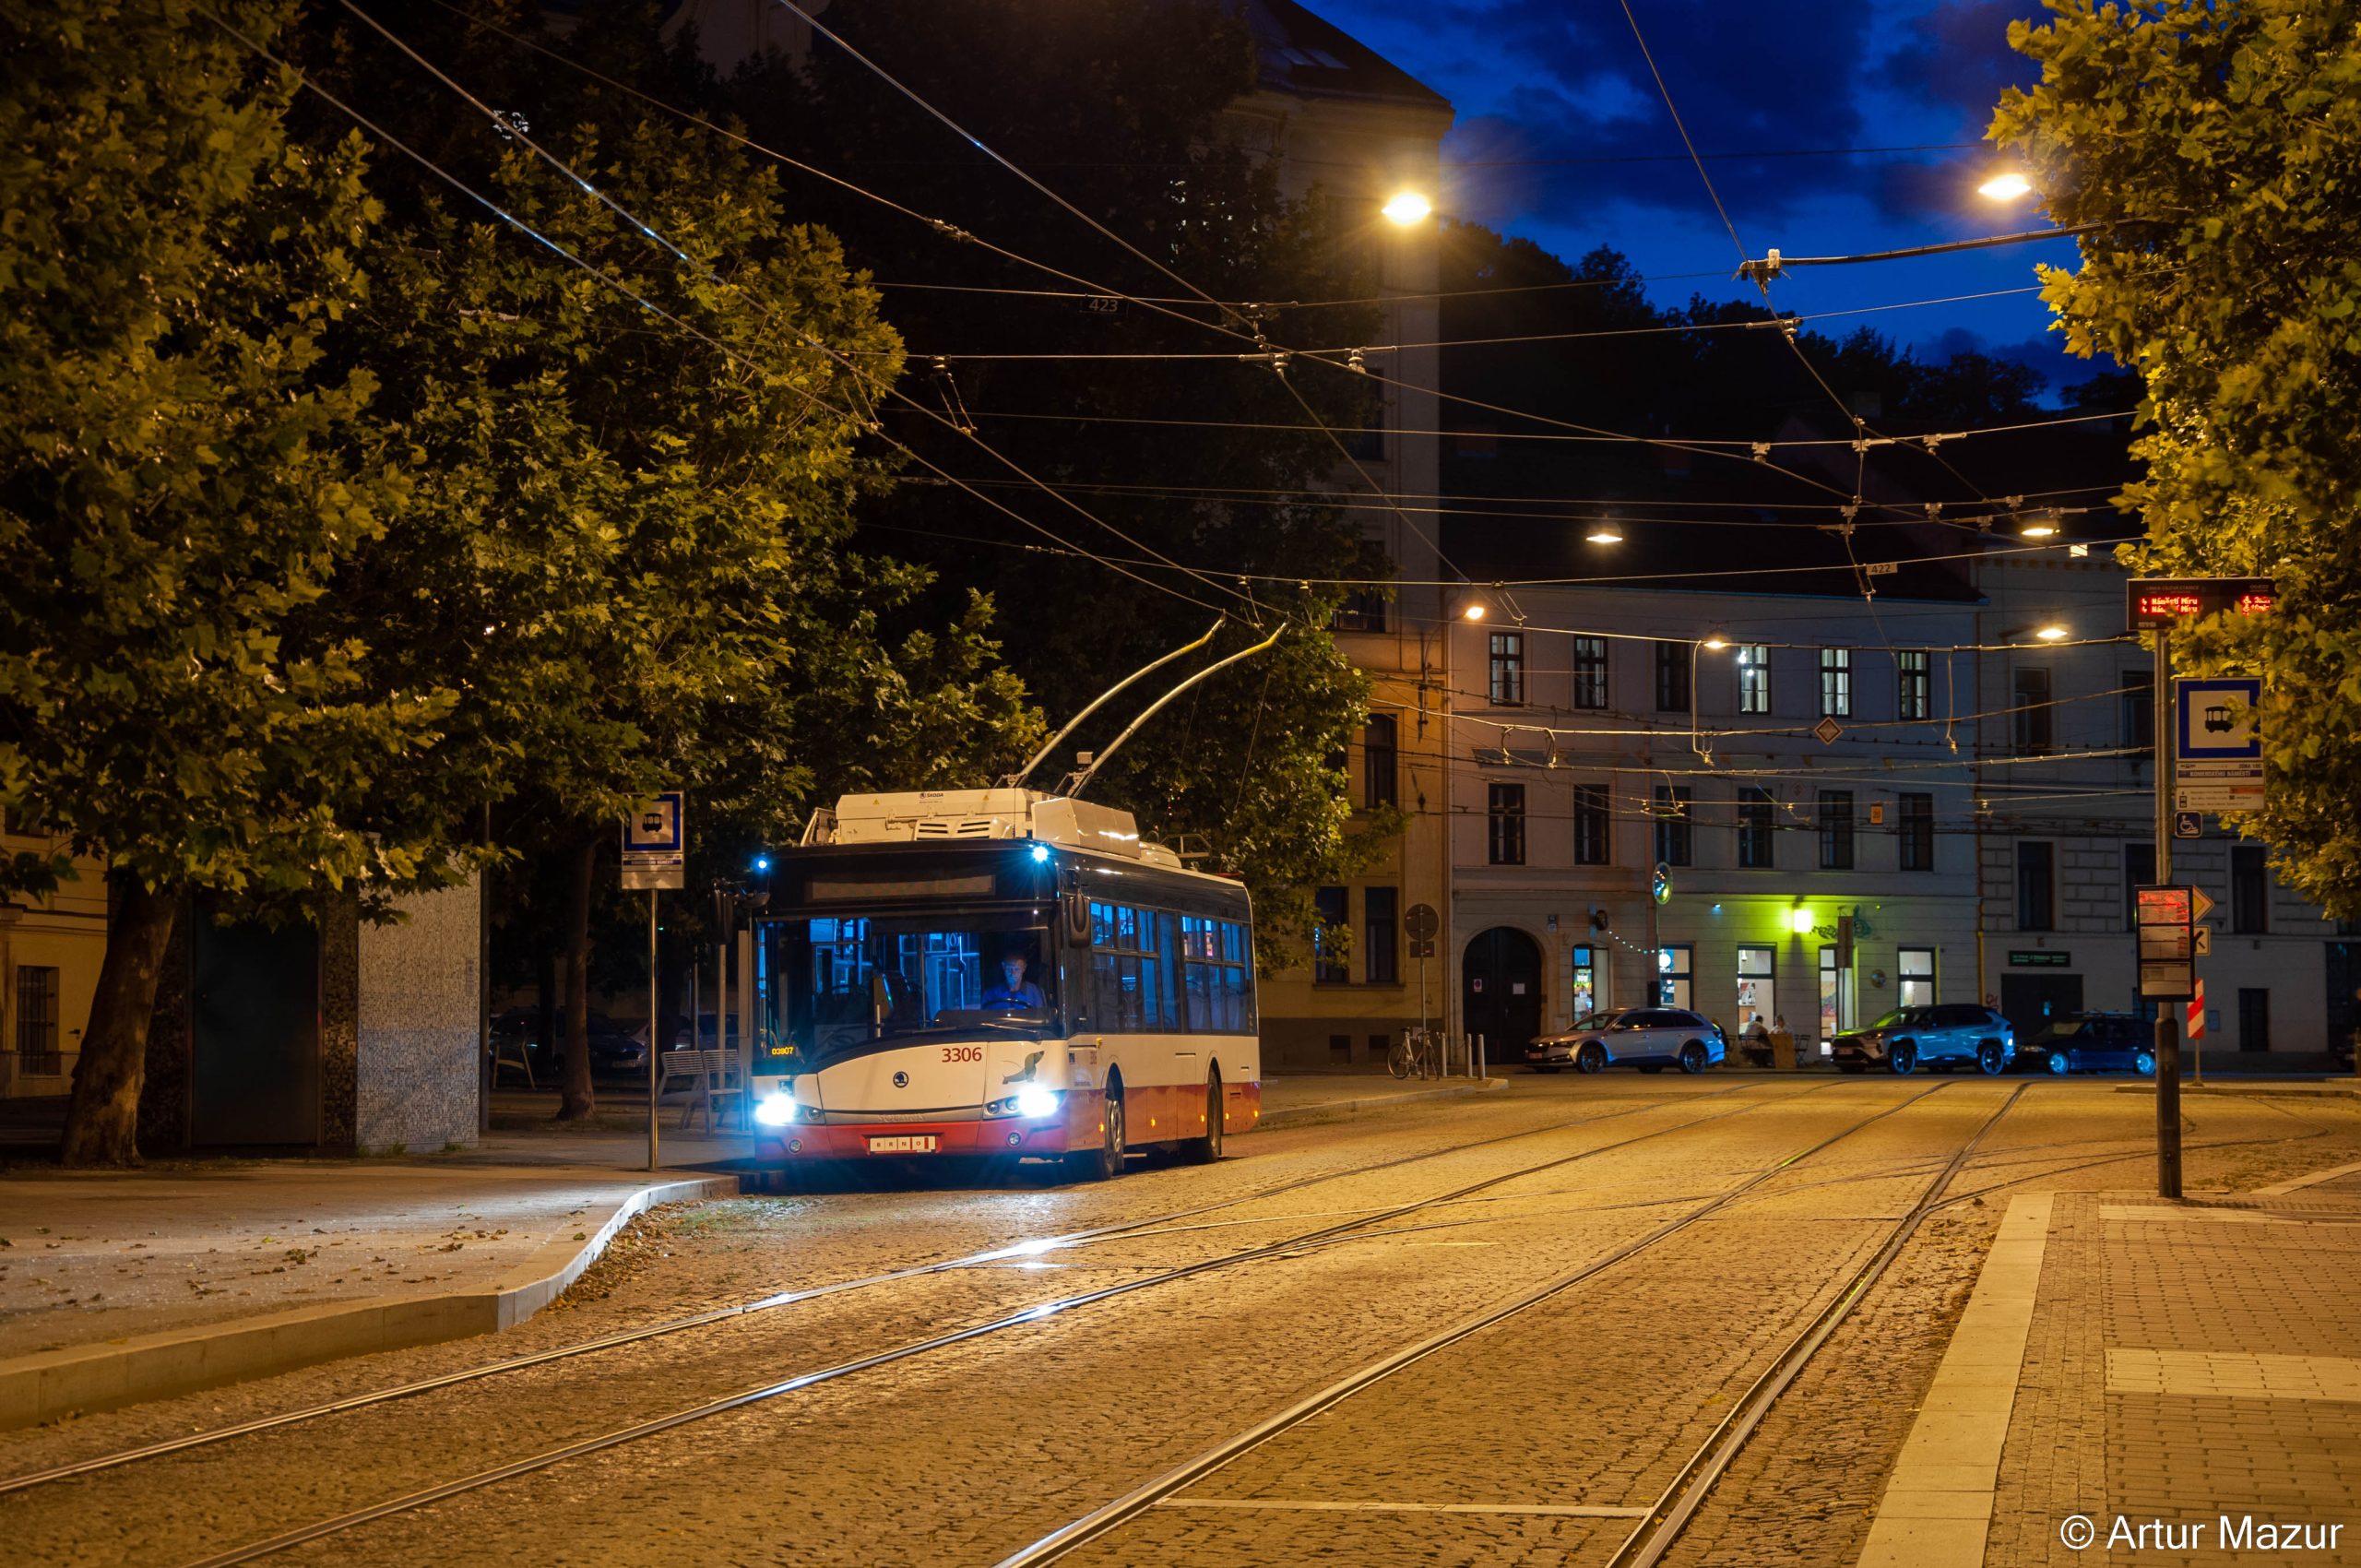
(2168, 601)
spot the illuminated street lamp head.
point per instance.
(2052, 634)
(1407, 207)
(1474, 611)
(2040, 527)
(2006, 185)
(1605, 533)
(1799, 920)
(1717, 642)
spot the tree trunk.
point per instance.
(577, 1099)
(103, 1117)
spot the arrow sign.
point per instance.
(2199, 905)
(2202, 937)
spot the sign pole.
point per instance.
(654, 1049)
(2167, 1032)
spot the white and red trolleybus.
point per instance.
(999, 972)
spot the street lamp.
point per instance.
(1716, 641)
(1475, 611)
(2006, 185)
(1407, 207)
(2053, 634)
(1605, 533)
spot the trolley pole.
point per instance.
(2167, 1031)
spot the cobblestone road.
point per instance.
(1531, 1441)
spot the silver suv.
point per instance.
(1650, 1038)
(1956, 1034)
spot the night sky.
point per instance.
(1562, 138)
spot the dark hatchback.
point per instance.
(2092, 1042)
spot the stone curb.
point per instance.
(157, 1366)
(1328, 1109)
(2297, 1183)
(1937, 1504)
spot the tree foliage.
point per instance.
(2220, 146)
(1122, 108)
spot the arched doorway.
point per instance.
(1500, 990)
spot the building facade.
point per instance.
(51, 947)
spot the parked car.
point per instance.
(1650, 1038)
(2092, 1042)
(613, 1050)
(1940, 1037)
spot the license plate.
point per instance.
(903, 1143)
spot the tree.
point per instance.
(2219, 147)
(185, 471)
(629, 552)
(1122, 108)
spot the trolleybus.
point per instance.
(999, 973)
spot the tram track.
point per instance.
(1133, 1229)
(1672, 1511)
(1027, 1316)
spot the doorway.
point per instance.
(2344, 991)
(254, 1027)
(1500, 990)
(2032, 1003)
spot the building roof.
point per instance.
(1310, 56)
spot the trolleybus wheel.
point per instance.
(1106, 1161)
(1205, 1151)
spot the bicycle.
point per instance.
(1413, 1052)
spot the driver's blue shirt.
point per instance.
(1025, 994)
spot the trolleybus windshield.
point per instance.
(850, 981)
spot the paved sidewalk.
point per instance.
(2189, 1389)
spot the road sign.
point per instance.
(2201, 940)
(1421, 922)
(2217, 746)
(1828, 729)
(2162, 915)
(2199, 906)
(656, 843)
(1421, 949)
(2170, 601)
(2197, 1011)
(2189, 824)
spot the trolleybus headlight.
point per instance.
(776, 1112)
(1031, 1102)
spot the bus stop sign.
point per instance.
(2217, 744)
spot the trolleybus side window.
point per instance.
(1127, 969)
(1214, 957)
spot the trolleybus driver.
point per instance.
(1014, 989)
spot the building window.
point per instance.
(2137, 726)
(1672, 677)
(1837, 831)
(1914, 695)
(2138, 871)
(2036, 901)
(1755, 998)
(1327, 968)
(1754, 809)
(1917, 832)
(1585, 997)
(1914, 970)
(1590, 825)
(1674, 821)
(1362, 611)
(1340, 1049)
(1590, 672)
(2034, 730)
(36, 1021)
(1380, 786)
(1836, 681)
(1506, 810)
(2249, 889)
(1380, 943)
(1754, 678)
(1672, 974)
(1508, 669)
